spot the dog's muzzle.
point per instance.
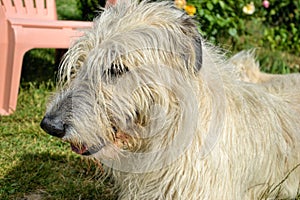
(53, 126)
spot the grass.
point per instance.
(38, 166)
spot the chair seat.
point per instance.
(34, 33)
(59, 24)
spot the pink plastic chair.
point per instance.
(24, 25)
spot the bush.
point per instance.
(276, 25)
(283, 30)
(223, 21)
(272, 30)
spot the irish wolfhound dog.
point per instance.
(144, 94)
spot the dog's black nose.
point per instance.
(53, 126)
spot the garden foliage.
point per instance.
(272, 28)
(277, 26)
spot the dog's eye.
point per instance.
(114, 71)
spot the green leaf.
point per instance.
(209, 5)
(209, 18)
(232, 32)
(200, 12)
(272, 12)
(222, 4)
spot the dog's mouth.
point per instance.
(121, 140)
(85, 150)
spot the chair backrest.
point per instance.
(28, 9)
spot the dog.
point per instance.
(168, 116)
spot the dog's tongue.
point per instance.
(82, 149)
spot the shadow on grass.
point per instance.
(45, 176)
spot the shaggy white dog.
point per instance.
(144, 94)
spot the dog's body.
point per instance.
(144, 94)
(248, 68)
(285, 86)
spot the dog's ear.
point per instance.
(198, 52)
(189, 27)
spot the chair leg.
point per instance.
(6, 61)
(16, 76)
(10, 72)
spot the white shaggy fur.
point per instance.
(248, 68)
(286, 86)
(216, 137)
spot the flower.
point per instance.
(249, 8)
(266, 3)
(180, 4)
(190, 10)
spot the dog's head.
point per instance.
(128, 84)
